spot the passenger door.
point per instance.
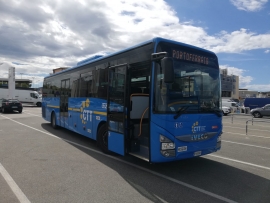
(64, 94)
(116, 108)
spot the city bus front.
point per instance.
(186, 119)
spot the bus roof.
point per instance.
(100, 57)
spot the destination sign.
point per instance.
(189, 57)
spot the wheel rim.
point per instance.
(256, 115)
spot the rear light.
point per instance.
(7, 103)
(20, 104)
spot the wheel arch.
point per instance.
(101, 123)
(53, 112)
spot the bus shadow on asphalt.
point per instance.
(167, 180)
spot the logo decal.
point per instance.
(196, 128)
(86, 115)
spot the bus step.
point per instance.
(142, 154)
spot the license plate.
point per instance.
(14, 107)
(182, 149)
(198, 153)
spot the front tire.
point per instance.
(53, 121)
(102, 138)
(38, 104)
(257, 114)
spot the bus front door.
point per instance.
(116, 108)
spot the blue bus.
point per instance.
(159, 101)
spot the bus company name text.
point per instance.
(87, 115)
(189, 57)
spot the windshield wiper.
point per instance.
(218, 112)
(179, 112)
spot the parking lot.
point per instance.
(41, 164)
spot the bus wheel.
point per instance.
(53, 121)
(103, 138)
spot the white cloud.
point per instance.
(243, 80)
(54, 33)
(241, 40)
(267, 51)
(249, 5)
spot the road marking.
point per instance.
(133, 165)
(247, 135)
(242, 162)
(14, 187)
(33, 114)
(246, 144)
(241, 123)
(248, 129)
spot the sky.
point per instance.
(38, 36)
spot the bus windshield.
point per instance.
(196, 88)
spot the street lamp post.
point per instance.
(21, 75)
(33, 82)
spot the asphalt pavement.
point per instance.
(41, 164)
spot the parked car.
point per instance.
(226, 110)
(260, 112)
(10, 105)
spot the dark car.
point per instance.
(260, 112)
(10, 105)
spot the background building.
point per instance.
(245, 93)
(229, 85)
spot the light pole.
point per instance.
(21, 75)
(33, 82)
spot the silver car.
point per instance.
(260, 112)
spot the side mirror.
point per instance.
(167, 67)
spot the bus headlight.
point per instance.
(164, 139)
(167, 145)
(168, 153)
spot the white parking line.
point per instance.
(248, 129)
(14, 187)
(250, 145)
(238, 161)
(247, 135)
(136, 166)
(241, 123)
(34, 115)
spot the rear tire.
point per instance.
(20, 111)
(53, 121)
(38, 104)
(102, 138)
(257, 114)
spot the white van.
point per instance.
(232, 105)
(24, 96)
